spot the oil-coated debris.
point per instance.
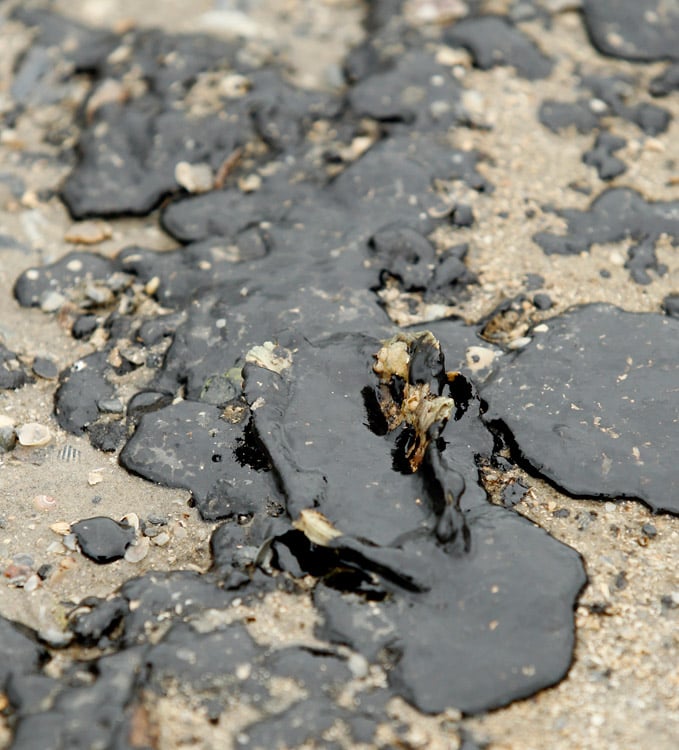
(488, 651)
(494, 40)
(414, 500)
(614, 215)
(189, 445)
(608, 96)
(634, 31)
(20, 651)
(598, 417)
(66, 276)
(601, 156)
(665, 83)
(102, 539)
(12, 374)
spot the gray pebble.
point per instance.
(45, 368)
(111, 406)
(51, 301)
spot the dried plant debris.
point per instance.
(614, 215)
(599, 416)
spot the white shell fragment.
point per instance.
(33, 434)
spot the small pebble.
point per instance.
(110, 406)
(52, 301)
(45, 368)
(95, 477)
(88, 233)
(194, 178)
(69, 541)
(358, 665)
(61, 527)
(7, 434)
(519, 343)
(98, 293)
(157, 520)
(161, 539)
(463, 216)
(32, 583)
(84, 326)
(250, 183)
(17, 575)
(33, 434)
(55, 638)
(542, 301)
(649, 530)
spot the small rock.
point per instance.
(98, 293)
(70, 542)
(234, 86)
(519, 343)
(84, 326)
(161, 539)
(88, 233)
(33, 434)
(250, 183)
(55, 638)
(194, 178)
(17, 574)
(61, 527)
(95, 477)
(133, 355)
(45, 368)
(542, 301)
(32, 583)
(7, 434)
(649, 530)
(513, 493)
(463, 216)
(156, 520)
(111, 406)
(51, 301)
